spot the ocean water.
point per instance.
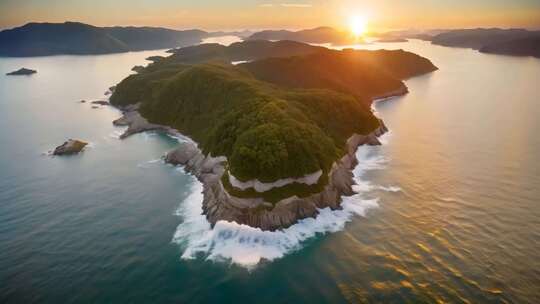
(447, 209)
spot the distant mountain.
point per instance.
(348, 71)
(36, 39)
(239, 51)
(407, 34)
(529, 46)
(519, 42)
(316, 35)
(242, 34)
(41, 39)
(147, 38)
(478, 38)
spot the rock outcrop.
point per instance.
(22, 71)
(137, 68)
(71, 146)
(100, 102)
(218, 204)
(154, 58)
(309, 179)
(136, 123)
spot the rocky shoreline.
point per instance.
(219, 205)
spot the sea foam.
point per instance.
(247, 246)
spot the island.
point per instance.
(273, 140)
(529, 46)
(323, 34)
(405, 35)
(71, 146)
(75, 38)
(517, 42)
(22, 71)
(391, 39)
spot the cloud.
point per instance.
(297, 5)
(302, 5)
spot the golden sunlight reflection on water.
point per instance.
(465, 228)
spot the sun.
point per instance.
(358, 25)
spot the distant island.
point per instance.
(42, 39)
(400, 35)
(22, 71)
(529, 46)
(75, 38)
(391, 39)
(275, 137)
(319, 35)
(518, 42)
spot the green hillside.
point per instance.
(266, 132)
(273, 118)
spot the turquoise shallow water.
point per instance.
(450, 202)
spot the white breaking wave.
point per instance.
(239, 62)
(116, 134)
(247, 246)
(390, 188)
(147, 135)
(178, 137)
(149, 163)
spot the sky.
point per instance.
(273, 14)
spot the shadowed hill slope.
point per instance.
(517, 42)
(41, 39)
(321, 34)
(364, 74)
(529, 46)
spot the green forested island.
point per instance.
(323, 34)
(42, 39)
(516, 42)
(273, 118)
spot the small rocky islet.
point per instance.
(22, 71)
(69, 147)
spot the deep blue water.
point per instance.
(448, 209)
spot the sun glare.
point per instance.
(358, 25)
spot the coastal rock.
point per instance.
(71, 146)
(137, 68)
(82, 101)
(100, 102)
(136, 124)
(309, 179)
(182, 154)
(219, 205)
(154, 58)
(110, 90)
(22, 71)
(402, 90)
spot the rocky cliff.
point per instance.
(219, 205)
